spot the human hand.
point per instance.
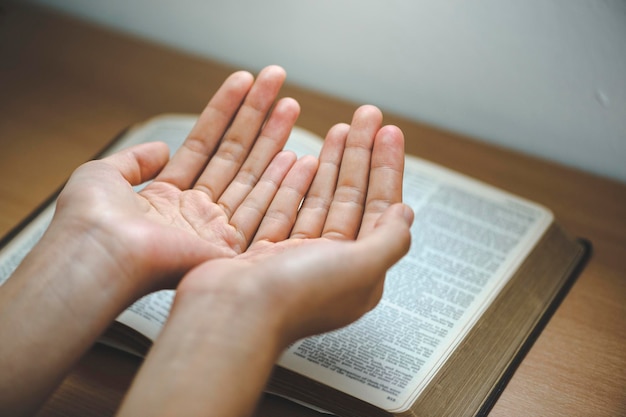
(206, 202)
(323, 266)
(307, 271)
(108, 245)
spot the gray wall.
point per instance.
(546, 77)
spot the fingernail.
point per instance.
(407, 214)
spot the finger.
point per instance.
(346, 210)
(325, 291)
(140, 163)
(314, 210)
(281, 215)
(191, 158)
(385, 178)
(388, 241)
(248, 216)
(242, 134)
(390, 237)
(372, 256)
(271, 140)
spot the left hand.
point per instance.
(108, 245)
(204, 203)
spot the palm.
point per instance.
(261, 250)
(359, 177)
(193, 212)
(305, 270)
(227, 224)
(208, 200)
(229, 188)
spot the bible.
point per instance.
(485, 271)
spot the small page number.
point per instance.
(390, 398)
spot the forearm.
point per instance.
(213, 357)
(232, 318)
(56, 304)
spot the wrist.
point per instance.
(235, 303)
(54, 307)
(220, 341)
(87, 256)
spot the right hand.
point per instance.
(328, 268)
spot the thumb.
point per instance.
(140, 163)
(398, 212)
(391, 237)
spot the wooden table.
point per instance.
(67, 87)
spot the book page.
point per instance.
(16, 250)
(467, 241)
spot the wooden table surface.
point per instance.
(67, 87)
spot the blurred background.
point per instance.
(545, 77)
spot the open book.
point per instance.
(485, 270)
